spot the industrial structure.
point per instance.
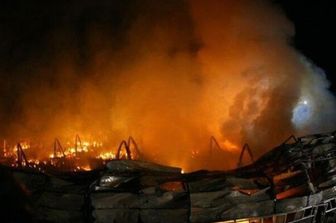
(294, 182)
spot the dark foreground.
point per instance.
(294, 182)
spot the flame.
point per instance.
(229, 146)
(78, 155)
(106, 156)
(221, 68)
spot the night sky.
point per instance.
(315, 23)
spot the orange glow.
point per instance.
(106, 156)
(230, 146)
(214, 68)
(86, 168)
(77, 156)
(175, 186)
(295, 191)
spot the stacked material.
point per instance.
(294, 182)
(137, 191)
(61, 201)
(54, 199)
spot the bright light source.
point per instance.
(302, 113)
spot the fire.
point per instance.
(229, 146)
(107, 155)
(85, 155)
(199, 68)
(86, 168)
(73, 157)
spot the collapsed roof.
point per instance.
(294, 182)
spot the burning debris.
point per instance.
(172, 74)
(294, 182)
(81, 156)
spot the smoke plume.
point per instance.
(169, 73)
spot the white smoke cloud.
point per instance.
(316, 108)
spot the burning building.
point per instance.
(294, 182)
(169, 73)
(172, 74)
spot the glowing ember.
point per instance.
(106, 156)
(75, 158)
(230, 146)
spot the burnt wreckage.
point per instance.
(294, 182)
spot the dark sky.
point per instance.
(315, 24)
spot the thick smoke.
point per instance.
(170, 73)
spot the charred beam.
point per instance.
(246, 147)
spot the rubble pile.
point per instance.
(294, 182)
